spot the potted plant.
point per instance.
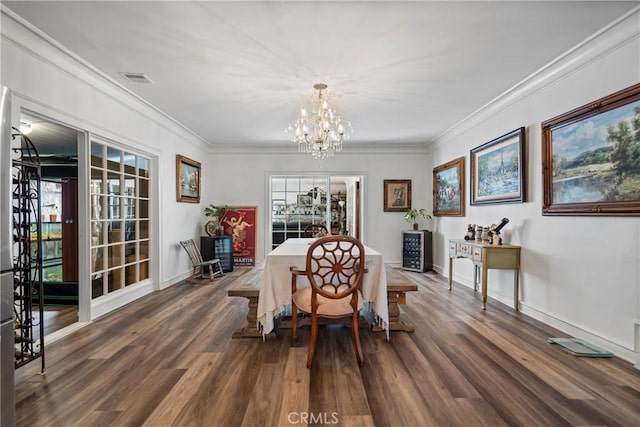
(216, 213)
(412, 216)
(53, 214)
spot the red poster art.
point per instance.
(241, 225)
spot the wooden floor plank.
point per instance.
(168, 411)
(264, 404)
(168, 359)
(295, 393)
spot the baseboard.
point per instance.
(563, 325)
(620, 351)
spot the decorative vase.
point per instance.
(53, 217)
(211, 227)
(415, 226)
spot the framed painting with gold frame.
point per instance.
(397, 195)
(448, 188)
(187, 180)
(591, 158)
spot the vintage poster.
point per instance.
(239, 222)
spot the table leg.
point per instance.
(516, 288)
(484, 285)
(476, 269)
(450, 271)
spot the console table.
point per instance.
(485, 256)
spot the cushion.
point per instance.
(326, 306)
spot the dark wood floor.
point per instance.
(57, 317)
(169, 360)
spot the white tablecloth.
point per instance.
(275, 290)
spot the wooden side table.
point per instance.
(484, 257)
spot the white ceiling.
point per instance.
(234, 72)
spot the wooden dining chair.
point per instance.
(315, 230)
(334, 268)
(198, 264)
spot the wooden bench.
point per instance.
(250, 289)
(397, 288)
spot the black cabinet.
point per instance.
(220, 247)
(417, 250)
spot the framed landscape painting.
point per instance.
(448, 188)
(591, 158)
(498, 170)
(397, 195)
(187, 180)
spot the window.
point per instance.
(295, 203)
(119, 219)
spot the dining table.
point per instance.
(275, 289)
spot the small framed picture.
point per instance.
(448, 188)
(397, 195)
(498, 170)
(304, 199)
(187, 180)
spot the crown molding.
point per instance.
(40, 46)
(619, 33)
(292, 149)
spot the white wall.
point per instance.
(241, 179)
(581, 274)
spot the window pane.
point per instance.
(97, 233)
(293, 184)
(130, 230)
(115, 279)
(130, 274)
(129, 207)
(144, 270)
(115, 231)
(143, 187)
(97, 184)
(144, 209)
(129, 186)
(129, 163)
(144, 249)
(113, 183)
(306, 184)
(97, 289)
(114, 207)
(97, 259)
(115, 256)
(97, 154)
(96, 207)
(143, 167)
(144, 229)
(113, 158)
(131, 252)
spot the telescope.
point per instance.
(502, 224)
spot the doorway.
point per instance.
(299, 201)
(57, 147)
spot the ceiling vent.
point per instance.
(137, 77)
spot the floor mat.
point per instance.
(579, 347)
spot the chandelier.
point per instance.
(322, 131)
